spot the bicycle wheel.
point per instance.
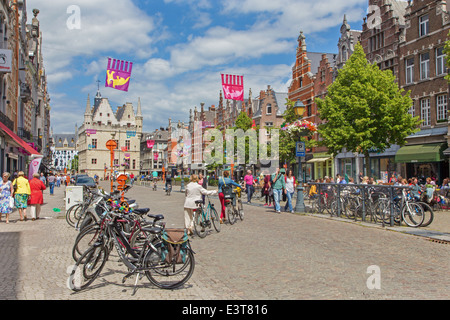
(215, 219)
(230, 214)
(428, 214)
(381, 211)
(412, 214)
(85, 240)
(240, 209)
(70, 215)
(87, 268)
(201, 223)
(165, 275)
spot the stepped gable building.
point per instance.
(102, 124)
(346, 43)
(381, 33)
(312, 73)
(422, 71)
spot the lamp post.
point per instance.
(299, 109)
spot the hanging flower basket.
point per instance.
(299, 128)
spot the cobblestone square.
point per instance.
(268, 256)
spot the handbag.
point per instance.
(11, 202)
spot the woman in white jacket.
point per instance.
(194, 192)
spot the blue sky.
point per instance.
(179, 49)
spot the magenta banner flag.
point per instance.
(156, 156)
(118, 74)
(233, 87)
(34, 167)
(150, 143)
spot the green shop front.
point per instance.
(423, 161)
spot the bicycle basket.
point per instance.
(175, 246)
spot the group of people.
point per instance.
(274, 186)
(21, 193)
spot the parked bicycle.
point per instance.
(167, 261)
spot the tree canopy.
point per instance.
(364, 109)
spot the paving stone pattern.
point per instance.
(268, 256)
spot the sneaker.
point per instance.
(265, 205)
(292, 211)
(278, 211)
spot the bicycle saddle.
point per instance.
(141, 211)
(198, 202)
(156, 217)
(152, 230)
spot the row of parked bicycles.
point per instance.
(105, 221)
(388, 205)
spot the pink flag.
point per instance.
(156, 156)
(34, 167)
(118, 74)
(150, 143)
(233, 87)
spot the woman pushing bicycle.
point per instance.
(194, 192)
(225, 182)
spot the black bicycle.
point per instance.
(166, 264)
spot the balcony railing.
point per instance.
(24, 134)
(7, 121)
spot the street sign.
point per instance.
(300, 149)
(111, 145)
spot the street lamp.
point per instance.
(299, 109)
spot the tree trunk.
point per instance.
(367, 160)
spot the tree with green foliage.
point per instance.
(447, 55)
(287, 142)
(365, 110)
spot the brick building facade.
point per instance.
(422, 71)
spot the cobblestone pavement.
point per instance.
(268, 256)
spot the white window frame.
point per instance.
(424, 66)
(440, 62)
(424, 25)
(425, 112)
(412, 111)
(441, 107)
(409, 71)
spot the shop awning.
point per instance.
(421, 153)
(318, 160)
(18, 141)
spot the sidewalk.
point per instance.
(438, 230)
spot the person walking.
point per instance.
(51, 182)
(22, 191)
(277, 187)
(290, 189)
(204, 183)
(267, 190)
(36, 197)
(6, 191)
(225, 182)
(249, 185)
(194, 192)
(58, 180)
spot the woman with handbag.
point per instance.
(36, 198)
(267, 190)
(6, 202)
(22, 191)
